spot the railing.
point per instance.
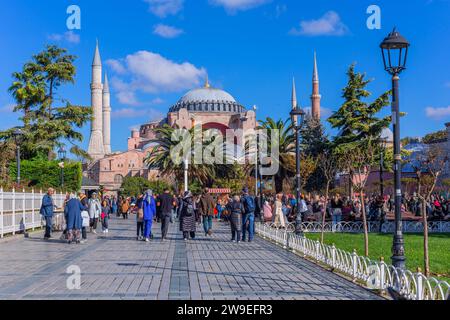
(372, 274)
(20, 211)
(373, 226)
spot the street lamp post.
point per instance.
(297, 113)
(62, 156)
(18, 135)
(394, 49)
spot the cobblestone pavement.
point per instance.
(117, 266)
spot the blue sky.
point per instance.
(156, 50)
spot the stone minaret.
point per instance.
(96, 148)
(315, 97)
(106, 117)
(294, 95)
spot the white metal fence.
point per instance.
(20, 211)
(372, 226)
(373, 274)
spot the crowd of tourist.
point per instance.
(84, 214)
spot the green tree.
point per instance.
(435, 137)
(35, 90)
(286, 143)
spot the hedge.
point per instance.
(43, 174)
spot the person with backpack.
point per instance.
(47, 208)
(140, 218)
(188, 223)
(149, 214)
(206, 210)
(248, 217)
(236, 209)
(95, 209)
(72, 214)
(125, 206)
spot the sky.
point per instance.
(154, 51)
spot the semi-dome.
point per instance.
(208, 99)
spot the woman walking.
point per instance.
(187, 216)
(140, 218)
(95, 209)
(72, 212)
(279, 218)
(236, 208)
(106, 211)
(149, 214)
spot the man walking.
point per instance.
(166, 201)
(47, 209)
(149, 214)
(248, 218)
(207, 211)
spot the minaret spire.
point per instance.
(294, 95)
(96, 145)
(315, 97)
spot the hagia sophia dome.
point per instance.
(208, 99)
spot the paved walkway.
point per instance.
(119, 267)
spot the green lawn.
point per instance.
(380, 246)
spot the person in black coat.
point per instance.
(236, 208)
(188, 220)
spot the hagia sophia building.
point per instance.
(214, 108)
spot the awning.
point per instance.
(219, 190)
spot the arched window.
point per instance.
(118, 179)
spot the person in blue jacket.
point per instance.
(47, 208)
(149, 213)
(72, 213)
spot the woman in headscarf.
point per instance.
(72, 212)
(187, 216)
(236, 209)
(149, 207)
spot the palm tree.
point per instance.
(286, 144)
(163, 157)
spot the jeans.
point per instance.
(105, 223)
(148, 228)
(337, 217)
(250, 219)
(83, 233)
(94, 223)
(165, 221)
(140, 229)
(207, 223)
(48, 227)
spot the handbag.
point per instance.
(140, 214)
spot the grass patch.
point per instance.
(380, 246)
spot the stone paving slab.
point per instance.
(117, 266)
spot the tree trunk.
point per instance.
(324, 211)
(278, 184)
(426, 258)
(366, 231)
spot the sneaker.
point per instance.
(147, 240)
(107, 231)
(233, 240)
(94, 232)
(185, 239)
(83, 241)
(210, 232)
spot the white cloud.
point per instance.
(164, 8)
(7, 108)
(329, 24)
(116, 66)
(152, 114)
(166, 31)
(150, 72)
(437, 113)
(69, 36)
(233, 6)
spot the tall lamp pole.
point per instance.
(394, 49)
(62, 156)
(383, 144)
(18, 135)
(297, 118)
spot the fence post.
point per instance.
(419, 280)
(1, 212)
(285, 239)
(333, 256)
(24, 212)
(354, 264)
(40, 205)
(13, 211)
(32, 209)
(382, 274)
(317, 250)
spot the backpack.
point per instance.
(189, 210)
(125, 207)
(249, 204)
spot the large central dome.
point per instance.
(208, 99)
